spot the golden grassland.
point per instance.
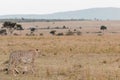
(85, 57)
(84, 44)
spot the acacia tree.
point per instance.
(103, 28)
(10, 27)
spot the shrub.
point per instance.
(27, 34)
(100, 34)
(78, 33)
(64, 27)
(30, 34)
(80, 27)
(75, 30)
(41, 34)
(53, 32)
(3, 32)
(32, 29)
(69, 33)
(15, 34)
(60, 34)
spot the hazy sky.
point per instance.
(51, 6)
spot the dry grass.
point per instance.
(86, 57)
(85, 44)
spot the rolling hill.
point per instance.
(92, 13)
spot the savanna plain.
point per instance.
(93, 55)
